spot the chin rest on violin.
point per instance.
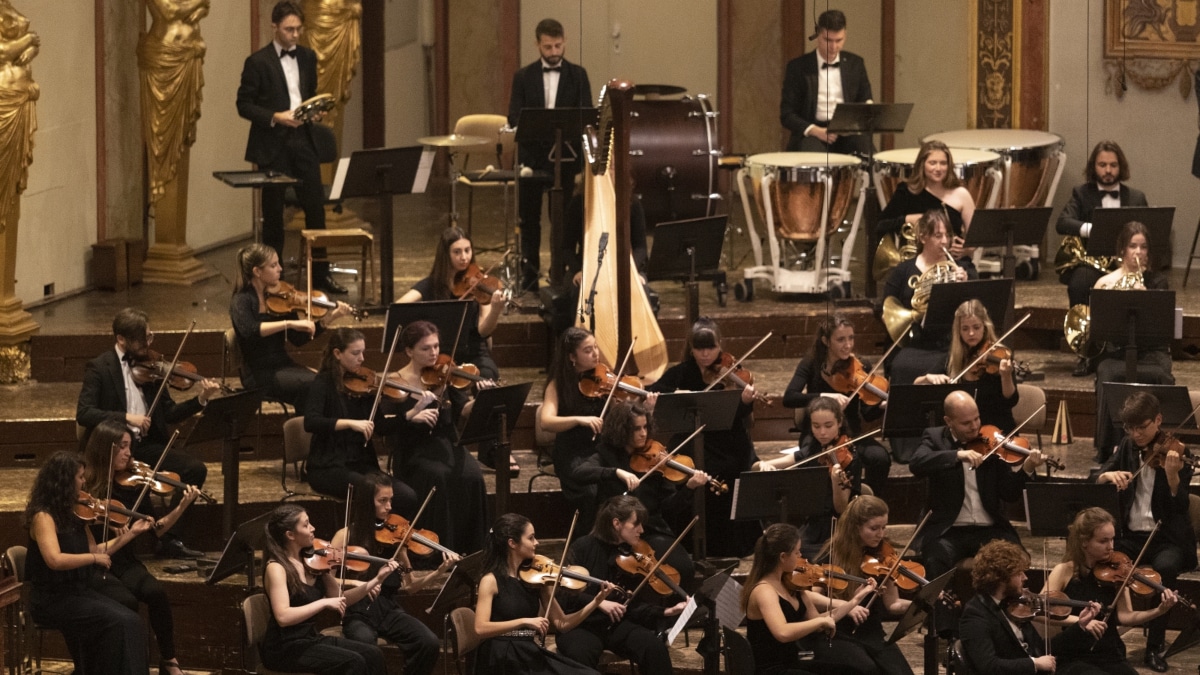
(283, 299)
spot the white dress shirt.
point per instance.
(135, 402)
(1141, 518)
(972, 513)
(829, 89)
(291, 72)
(550, 82)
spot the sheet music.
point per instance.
(339, 179)
(688, 610)
(729, 605)
(737, 486)
(423, 172)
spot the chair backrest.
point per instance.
(799, 415)
(296, 441)
(1194, 514)
(739, 659)
(485, 126)
(15, 556)
(256, 611)
(1031, 399)
(461, 636)
(231, 355)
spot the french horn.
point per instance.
(1072, 253)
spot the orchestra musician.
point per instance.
(833, 350)
(1154, 493)
(815, 83)
(509, 614)
(992, 643)
(379, 615)
(110, 391)
(425, 448)
(1090, 542)
(630, 632)
(341, 450)
(995, 393)
(128, 581)
(779, 620)
(102, 635)
(297, 595)
(726, 453)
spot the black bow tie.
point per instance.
(1115, 193)
(288, 52)
(128, 358)
(551, 69)
(835, 64)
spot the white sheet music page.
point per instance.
(339, 179)
(423, 172)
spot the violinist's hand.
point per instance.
(1169, 598)
(141, 525)
(596, 424)
(1044, 664)
(342, 309)
(748, 394)
(498, 297)
(858, 614)
(698, 479)
(864, 590)
(631, 481)
(428, 417)
(540, 625)
(386, 570)
(651, 401)
(970, 457)
(613, 610)
(190, 494)
(374, 591)
(1173, 463)
(1089, 622)
(302, 325)
(605, 589)
(764, 466)
(485, 384)
(103, 560)
(842, 399)
(140, 421)
(935, 378)
(208, 389)
(826, 625)
(364, 427)
(676, 609)
(1119, 478)
(448, 560)
(1006, 367)
(1034, 460)
(337, 604)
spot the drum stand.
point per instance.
(820, 279)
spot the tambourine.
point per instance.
(309, 109)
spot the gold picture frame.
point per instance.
(1152, 29)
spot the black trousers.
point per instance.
(1079, 281)
(133, 585)
(863, 651)
(289, 384)
(332, 481)
(328, 655)
(298, 159)
(876, 464)
(625, 638)
(418, 643)
(103, 637)
(529, 209)
(1167, 560)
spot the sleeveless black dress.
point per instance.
(772, 657)
(504, 655)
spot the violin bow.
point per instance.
(835, 448)
(345, 544)
(412, 524)
(737, 363)
(167, 375)
(617, 381)
(983, 353)
(658, 563)
(308, 277)
(829, 587)
(1112, 606)
(485, 273)
(462, 320)
(1046, 596)
(994, 446)
(146, 485)
(666, 458)
(558, 577)
(108, 503)
(387, 365)
(899, 559)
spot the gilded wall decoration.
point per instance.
(994, 78)
(1151, 44)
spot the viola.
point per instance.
(908, 575)
(1142, 580)
(849, 375)
(475, 283)
(1053, 605)
(323, 557)
(284, 298)
(639, 559)
(842, 456)
(737, 378)
(1156, 453)
(363, 381)
(542, 571)
(1013, 451)
(90, 509)
(599, 381)
(990, 364)
(394, 528)
(160, 482)
(677, 469)
(444, 371)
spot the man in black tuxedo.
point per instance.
(549, 82)
(275, 81)
(110, 392)
(815, 83)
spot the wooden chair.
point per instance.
(1031, 398)
(499, 152)
(739, 658)
(350, 237)
(460, 640)
(28, 636)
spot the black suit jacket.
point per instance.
(528, 91)
(990, 646)
(937, 460)
(1087, 198)
(1173, 511)
(263, 92)
(103, 397)
(798, 105)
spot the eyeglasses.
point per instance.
(1139, 428)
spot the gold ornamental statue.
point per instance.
(333, 30)
(18, 121)
(171, 63)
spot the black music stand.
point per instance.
(241, 552)
(921, 607)
(687, 250)
(913, 408)
(225, 419)
(460, 585)
(534, 126)
(1107, 223)
(1174, 403)
(1133, 320)
(494, 414)
(383, 173)
(791, 496)
(1051, 506)
(447, 315)
(1008, 228)
(944, 300)
(683, 413)
(255, 180)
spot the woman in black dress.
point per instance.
(342, 449)
(425, 448)
(262, 336)
(128, 581)
(103, 636)
(508, 612)
(726, 453)
(292, 643)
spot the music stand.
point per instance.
(461, 583)
(447, 315)
(255, 180)
(683, 413)
(1008, 228)
(1137, 319)
(920, 608)
(241, 552)
(534, 126)
(225, 419)
(686, 250)
(791, 496)
(494, 414)
(383, 173)
(944, 300)
(1107, 223)
(1051, 506)
(1174, 402)
(913, 408)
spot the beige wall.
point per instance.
(932, 67)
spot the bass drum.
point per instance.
(674, 157)
(979, 170)
(1032, 161)
(798, 190)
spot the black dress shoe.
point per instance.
(175, 548)
(1155, 661)
(1083, 367)
(329, 285)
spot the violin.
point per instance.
(599, 381)
(394, 529)
(1142, 580)
(542, 571)
(1013, 451)
(840, 457)
(737, 378)
(806, 575)
(475, 283)
(677, 469)
(1156, 453)
(444, 371)
(90, 509)
(152, 368)
(160, 482)
(990, 364)
(908, 575)
(849, 375)
(284, 298)
(363, 381)
(323, 557)
(1054, 605)
(639, 559)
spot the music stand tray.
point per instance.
(253, 179)
(944, 299)
(447, 315)
(913, 408)
(241, 551)
(791, 496)
(670, 258)
(536, 125)
(1008, 228)
(226, 419)
(1142, 317)
(854, 119)
(682, 412)
(920, 607)
(482, 424)
(1107, 223)
(460, 585)
(1051, 506)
